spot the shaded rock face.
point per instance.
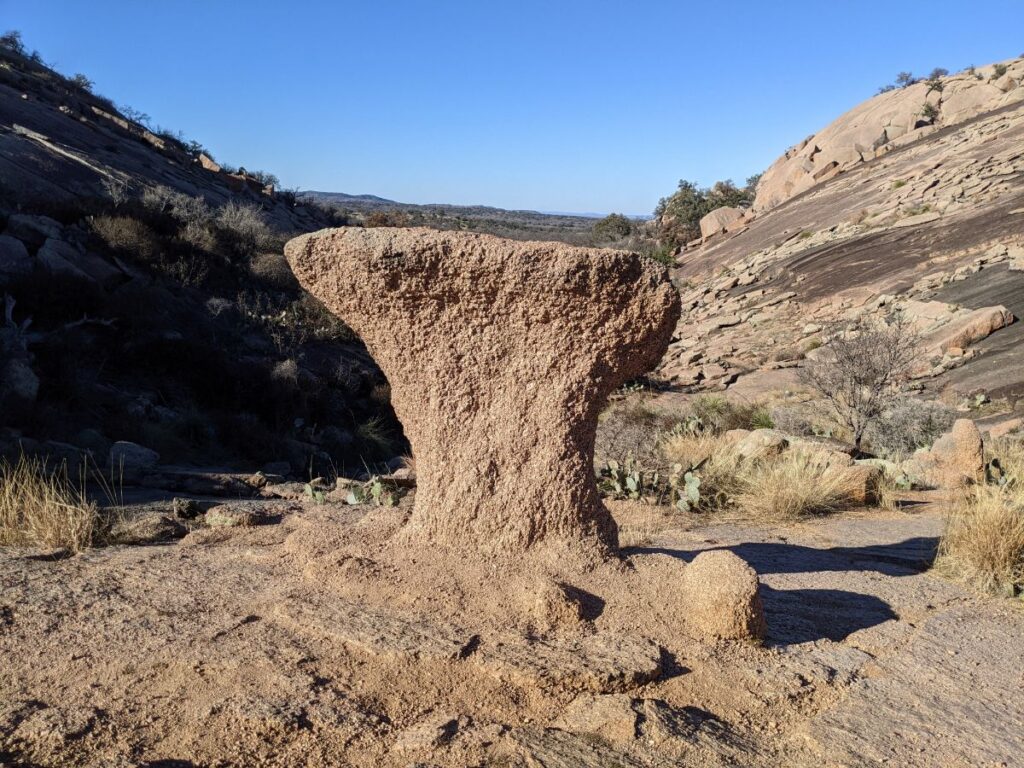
(500, 355)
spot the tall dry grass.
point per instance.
(982, 545)
(791, 486)
(41, 507)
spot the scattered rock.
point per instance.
(236, 515)
(280, 468)
(185, 509)
(861, 482)
(131, 459)
(761, 444)
(974, 326)
(58, 258)
(722, 597)
(33, 230)
(550, 607)
(1004, 428)
(430, 733)
(148, 529)
(19, 387)
(14, 258)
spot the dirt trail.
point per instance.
(278, 645)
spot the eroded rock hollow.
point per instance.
(500, 355)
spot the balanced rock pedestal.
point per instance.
(500, 355)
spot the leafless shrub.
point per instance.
(862, 371)
(197, 234)
(273, 269)
(129, 236)
(184, 208)
(117, 190)
(907, 425)
(244, 224)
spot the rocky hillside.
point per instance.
(930, 221)
(148, 308)
(893, 119)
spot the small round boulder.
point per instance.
(722, 597)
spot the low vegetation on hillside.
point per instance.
(678, 215)
(172, 320)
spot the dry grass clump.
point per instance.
(983, 543)
(718, 414)
(273, 270)
(42, 508)
(793, 485)
(692, 448)
(246, 226)
(1010, 452)
(128, 235)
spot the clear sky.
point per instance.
(557, 106)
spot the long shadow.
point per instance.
(805, 615)
(903, 558)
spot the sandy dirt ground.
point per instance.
(308, 643)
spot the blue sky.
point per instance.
(567, 106)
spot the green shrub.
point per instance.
(613, 227)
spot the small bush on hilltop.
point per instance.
(613, 227)
(11, 40)
(81, 81)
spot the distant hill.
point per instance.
(575, 228)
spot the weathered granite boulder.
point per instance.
(131, 459)
(33, 230)
(957, 459)
(762, 444)
(722, 596)
(719, 220)
(500, 355)
(14, 258)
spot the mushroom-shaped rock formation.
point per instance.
(500, 355)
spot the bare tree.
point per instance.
(864, 369)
